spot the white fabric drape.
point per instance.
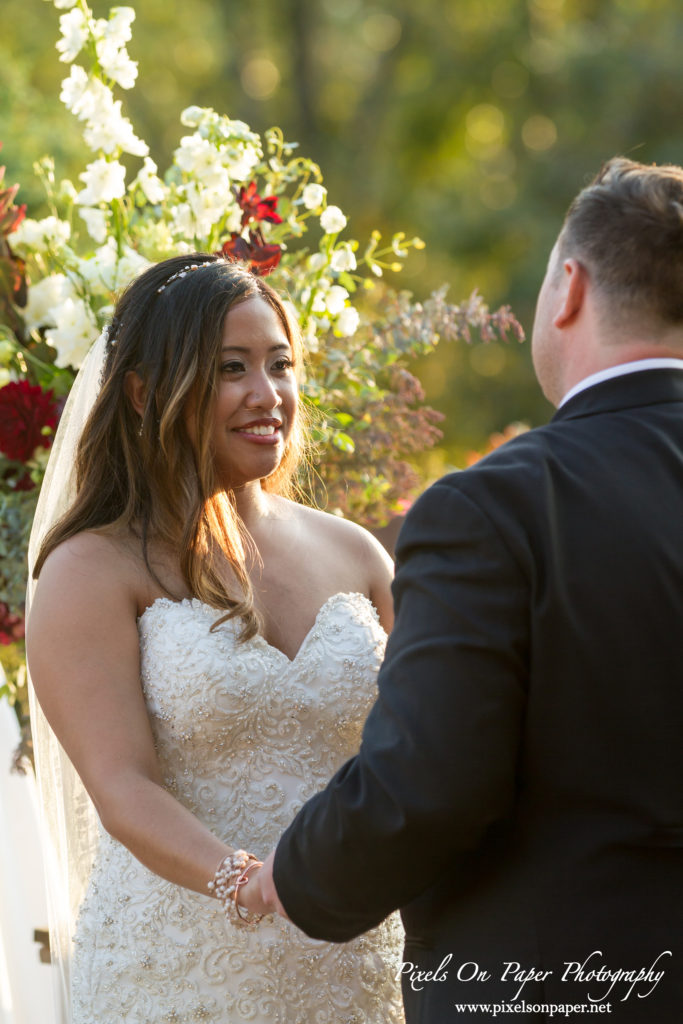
(25, 982)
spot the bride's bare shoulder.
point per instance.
(92, 558)
(349, 540)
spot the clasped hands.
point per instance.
(259, 895)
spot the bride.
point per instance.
(204, 649)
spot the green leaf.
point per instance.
(344, 443)
(346, 281)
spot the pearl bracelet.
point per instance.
(231, 874)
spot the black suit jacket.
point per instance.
(519, 788)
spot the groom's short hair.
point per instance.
(626, 227)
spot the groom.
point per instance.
(519, 788)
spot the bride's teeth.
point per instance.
(260, 430)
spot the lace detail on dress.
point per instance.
(244, 736)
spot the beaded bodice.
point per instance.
(244, 736)
(248, 724)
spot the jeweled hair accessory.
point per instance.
(185, 271)
(110, 333)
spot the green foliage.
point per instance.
(471, 123)
(248, 196)
(16, 515)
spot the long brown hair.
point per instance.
(144, 473)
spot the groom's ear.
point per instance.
(572, 293)
(136, 390)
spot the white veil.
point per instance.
(68, 816)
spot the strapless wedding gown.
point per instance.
(244, 736)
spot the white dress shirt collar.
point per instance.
(619, 370)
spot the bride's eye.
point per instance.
(282, 364)
(232, 366)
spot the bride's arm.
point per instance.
(381, 570)
(83, 653)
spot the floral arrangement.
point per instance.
(227, 190)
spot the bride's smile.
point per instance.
(256, 394)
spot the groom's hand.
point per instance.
(259, 895)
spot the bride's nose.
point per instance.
(262, 392)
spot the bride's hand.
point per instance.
(259, 895)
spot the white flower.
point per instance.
(73, 87)
(43, 297)
(87, 98)
(234, 221)
(74, 29)
(348, 321)
(343, 259)
(56, 232)
(191, 117)
(184, 222)
(63, 5)
(105, 272)
(95, 222)
(104, 180)
(67, 190)
(310, 337)
(335, 299)
(40, 234)
(241, 159)
(209, 122)
(295, 226)
(113, 133)
(318, 305)
(198, 157)
(116, 63)
(27, 236)
(153, 187)
(332, 220)
(396, 246)
(98, 272)
(155, 239)
(203, 208)
(129, 266)
(118, 29)
(74, 332)
(5, 376)
(237, 131)
(317, 261)
(313, 196)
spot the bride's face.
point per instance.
(256, 398)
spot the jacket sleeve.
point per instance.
(437, 760)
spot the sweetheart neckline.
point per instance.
(259, 637)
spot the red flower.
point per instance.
(11, 216)
(11, 626)
(255, 208)
(12, 268)
(24, 410)
(262, 258)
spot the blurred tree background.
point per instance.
(469, 122)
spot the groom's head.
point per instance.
(613, 291)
